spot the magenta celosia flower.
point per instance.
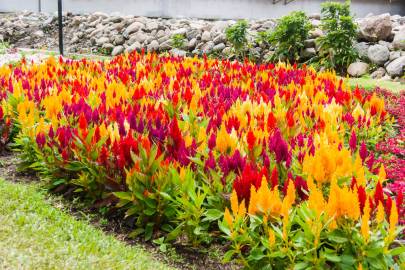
(353, 141)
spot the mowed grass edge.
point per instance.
(36, 235)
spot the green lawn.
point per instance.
(370, 84)
(36, 235)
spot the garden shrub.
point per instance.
(178, 41)
(289, 35)
(336, 47)
(237, 35)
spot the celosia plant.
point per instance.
(167, 139)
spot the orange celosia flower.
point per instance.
(393, 220)
(380, 213)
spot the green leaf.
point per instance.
(149, 231)
(212, 214)
(301, 265)
(135, 233)
(123, 195)
(331, 257)
(228, 255)
(397, 251)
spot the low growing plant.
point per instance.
(336, 50)
(289, 35)
(237, 36)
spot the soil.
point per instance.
(179, 256)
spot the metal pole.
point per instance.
(39, 6)
(60, 27)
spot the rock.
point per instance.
(308, 53)
(394, 55)
(117, 50)
(315, 23)
(180, 31)
(191, 44)
(315, 16)
(396, 67)
(219, 26)
(153, 46)
(206, 36)
(315, 33)
(119, 40)
(108, 46)
(134, 27)
(167, 45)
(309, 43)
(38, 34)
(140, 36)
(178, 52)
(102, 40)
(378, 54)
(219, 39)
(399, 40)
(378, 74)
(357, 69)
(386, 44)
(151, 25)
(218, 47)
(374, 28)
(207, 47)
(362, 49)
(135, 46)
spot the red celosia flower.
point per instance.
(274, 178)
(362, 196)
(251, 139)
(82, 122)
(378, 195)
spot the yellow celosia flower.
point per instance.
(380, 213)
(382, 176)
(234, 203)
(228, 217)
(393, 220)
(272, 238)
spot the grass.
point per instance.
(370, 84)
(36, 235)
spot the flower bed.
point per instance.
(277, 161)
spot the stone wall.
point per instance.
(381, 38)
(208, 9)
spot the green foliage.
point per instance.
(289, 35)
(237, 35)
(336, 47)
(309, 243)
(3, 47)
(178, 41)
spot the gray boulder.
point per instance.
(308, 53)
(117, 50)
(394, 55)
(206, 36)
(374, 28)
(378, 74)
(396, 67)
(153, 46)
(362, 49)
(357, 69)
(399, 39)
(132, 28)
(178, 52)
(378, 54)
(135, 46)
